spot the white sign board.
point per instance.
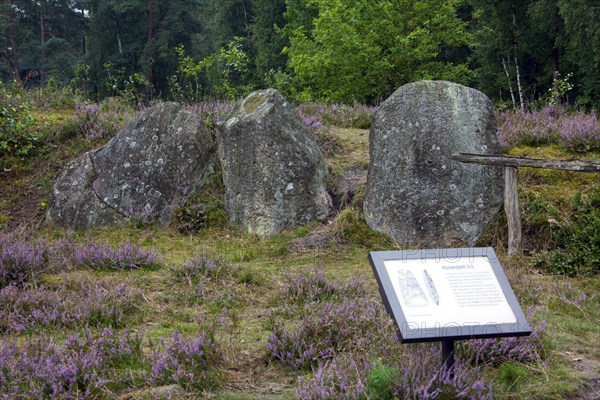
(454, 293)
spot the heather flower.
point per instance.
(518, 349)
(313, 286)
(79, 368)
(21, 259)
(417, 374)
(338, 378)
(354, 325)
(102, 120)
(81, 304)
(202, 270)
(102, 256)
(578, 132)
(189, 362)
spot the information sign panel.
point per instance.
(448, 294)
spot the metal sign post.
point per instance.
(447, 295)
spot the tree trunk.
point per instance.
(12, 58)
(507, 72)
(555, 55)
(42, 44)
(119, 43)
(519, 88)
(149, 45)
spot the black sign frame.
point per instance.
(407, 334)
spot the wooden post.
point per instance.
(512, 209)
(511, 197)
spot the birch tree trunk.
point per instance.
(507, 72)
(519, 88)
(42, 43)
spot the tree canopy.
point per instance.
(520, 53)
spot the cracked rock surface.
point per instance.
(161, 156)
(416, 193)
(273, 171)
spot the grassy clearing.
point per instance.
(238, 306)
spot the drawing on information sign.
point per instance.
(412, 293)
(431, 288)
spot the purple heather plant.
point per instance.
(203, 266)
(21, 258)
(188, 362)
(201, 270)
(79, 368)
(341, 377)
(102, 256)
(313, 286)
(81, 304)
(415, 375)
(529, 349)
(320, 118)
(340, 115)
(577, 132)
(102, 120)
(353, 325)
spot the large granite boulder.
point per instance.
(273, 171)
(416, 193)
(158, 158)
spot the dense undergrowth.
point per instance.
(120, 312)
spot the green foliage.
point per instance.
(352, 228)
(205, 209)
(578, 240)
(268, 39)
(102, 120)
(81, 81)
(224, 74)
(560, 89)
(351, 53)
(380, 381)
(17, 126)
(510, 376)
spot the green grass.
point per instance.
(237, 309)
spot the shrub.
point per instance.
(79, 305)
(199, 271)
(340, 115)
(512, 349)
(79, 368)
(104, 257)
(17, 126)
(202, 267)
(313, 286)
(578, 241)
(416, 375)
(339, 378)
(578, 132)
(21, 259)
(329, 329)
(102, 120)
(189, 362)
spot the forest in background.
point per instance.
(521, 53)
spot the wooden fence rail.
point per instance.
(511, 197)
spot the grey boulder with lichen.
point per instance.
(273, 171)
(161, 156)
(416, 193)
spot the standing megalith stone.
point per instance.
(273, 171)
(163, 154)
(416, 193)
